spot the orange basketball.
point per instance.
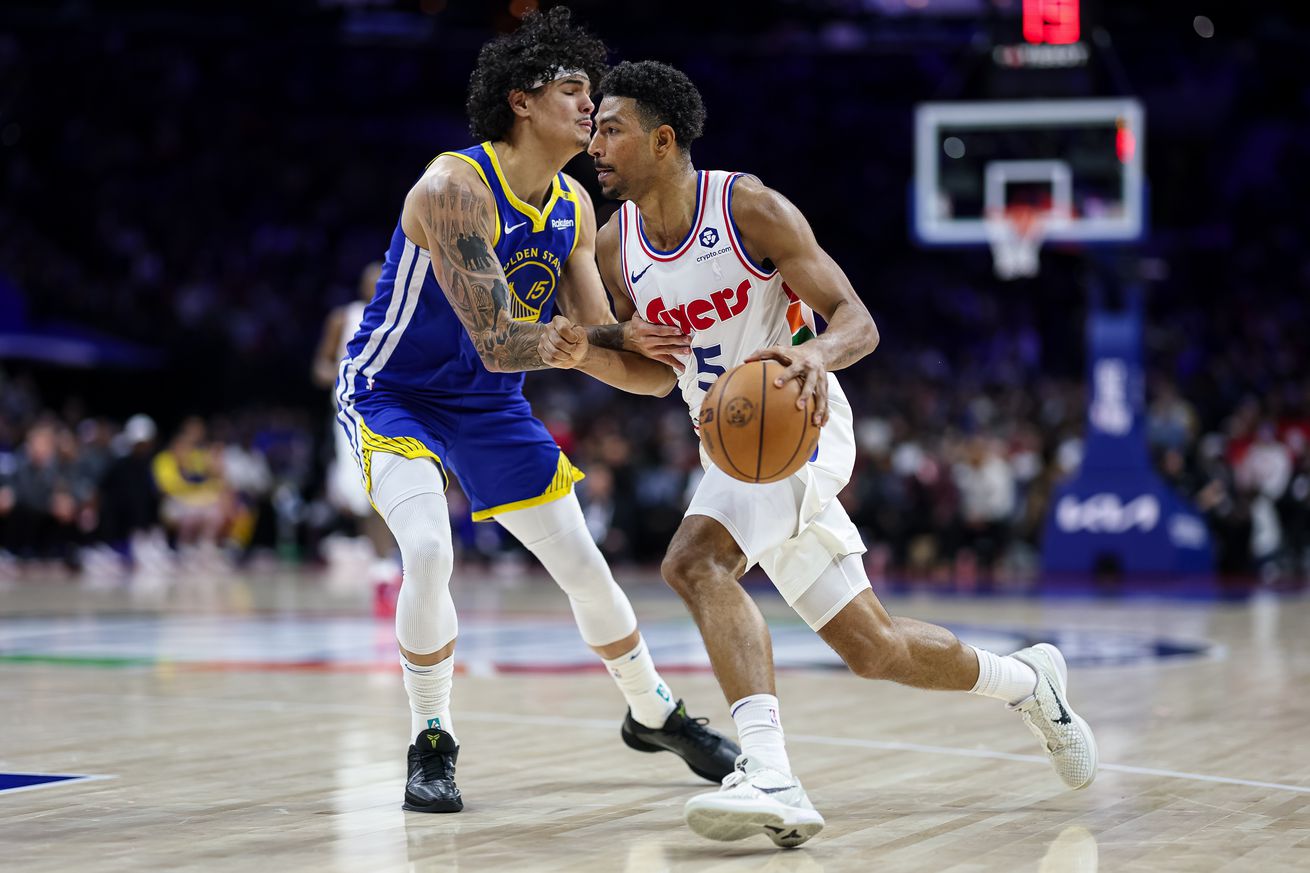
(752, 429)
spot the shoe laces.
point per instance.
(437, 765)
(697, 730)
(1042, 725)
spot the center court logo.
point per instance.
(796, 647)
(709, 237)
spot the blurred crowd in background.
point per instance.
(951, 490)
(215, 185)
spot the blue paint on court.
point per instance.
(16, 781)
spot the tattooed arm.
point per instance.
(451, 213)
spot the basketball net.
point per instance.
(1015, 234)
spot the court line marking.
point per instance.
(886, 745)
(72, 779)
(893, 746)
(609, 725)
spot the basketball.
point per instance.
(752, 429)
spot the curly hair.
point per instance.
(663, 94)
(544, 43)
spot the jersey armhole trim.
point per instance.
(623, 256)
(572, 196)
(481, 173)
(734, 237)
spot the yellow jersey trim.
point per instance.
(475, 165)
(406, 447)
(569, 194)
(538, 218)
(560, 486)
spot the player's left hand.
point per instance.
(562, 344)
(659, 342)
(806, 364)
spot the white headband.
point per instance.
(557, 74)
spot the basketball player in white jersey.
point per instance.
(343, 490)
(733, 266)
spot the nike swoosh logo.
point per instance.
(509, 229)
(636, 277)
(1064, 715)
(775, 790)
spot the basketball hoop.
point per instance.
(1015, 234)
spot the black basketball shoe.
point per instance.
(708, 753)
(431, 786)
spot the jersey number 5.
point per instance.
(705, 366)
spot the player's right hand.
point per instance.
(562, 344)
(659, 342)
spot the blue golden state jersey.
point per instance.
(411, 342)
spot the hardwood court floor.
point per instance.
(256, 722)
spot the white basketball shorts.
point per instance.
(794, 529)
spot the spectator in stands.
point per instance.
(43, 518)
(197, 505)
(129, 496)
(987, 502)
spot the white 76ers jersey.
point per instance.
(709, 287)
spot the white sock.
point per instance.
(759, 730)
(1004, 677)
(429, 695)
(647, 695)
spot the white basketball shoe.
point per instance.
(1067, 738)
(755, 801)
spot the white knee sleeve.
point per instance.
(838, 584)
(409, 493)
(557, 534)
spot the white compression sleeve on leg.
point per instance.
(408, 492)
(838, 584)
(557, 534)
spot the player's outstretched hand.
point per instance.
(807, 365)
(659, 342)
(562, 344)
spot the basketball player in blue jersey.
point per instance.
(736, 266)
(491, 240)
